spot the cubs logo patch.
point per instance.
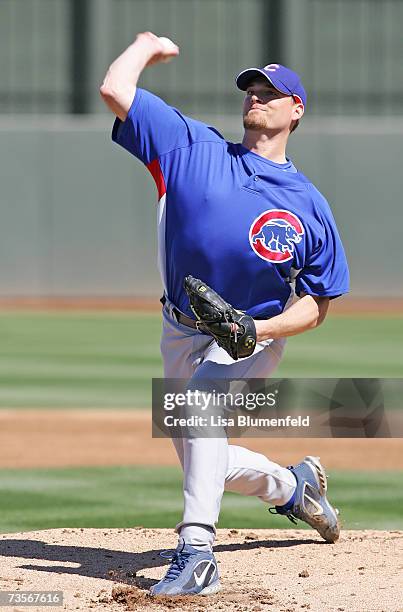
(274, 234)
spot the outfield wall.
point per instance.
(78, 215)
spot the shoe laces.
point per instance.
(288, 514)
(178, 563)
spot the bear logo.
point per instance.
(274, 234)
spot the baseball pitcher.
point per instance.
(249, 254)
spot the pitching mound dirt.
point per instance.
(284, 570)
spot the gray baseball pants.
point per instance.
(212, 465)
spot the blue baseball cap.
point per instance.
(283, 79)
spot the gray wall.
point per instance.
(78, 214)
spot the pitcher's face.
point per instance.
(265, 108)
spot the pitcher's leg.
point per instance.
(205, 467)
(251, 473)
(181, 350)
(206, 459)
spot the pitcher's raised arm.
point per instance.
(119, 86)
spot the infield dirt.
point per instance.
(72, 438)
(263, 570)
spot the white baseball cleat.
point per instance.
(309, 502)
(192, 572)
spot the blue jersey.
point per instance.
(255, 231)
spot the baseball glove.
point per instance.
(232, 329)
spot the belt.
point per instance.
(180, 317)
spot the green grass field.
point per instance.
(82, 360)
(98, 360)
(151, 497)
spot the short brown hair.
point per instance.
(294, 127)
